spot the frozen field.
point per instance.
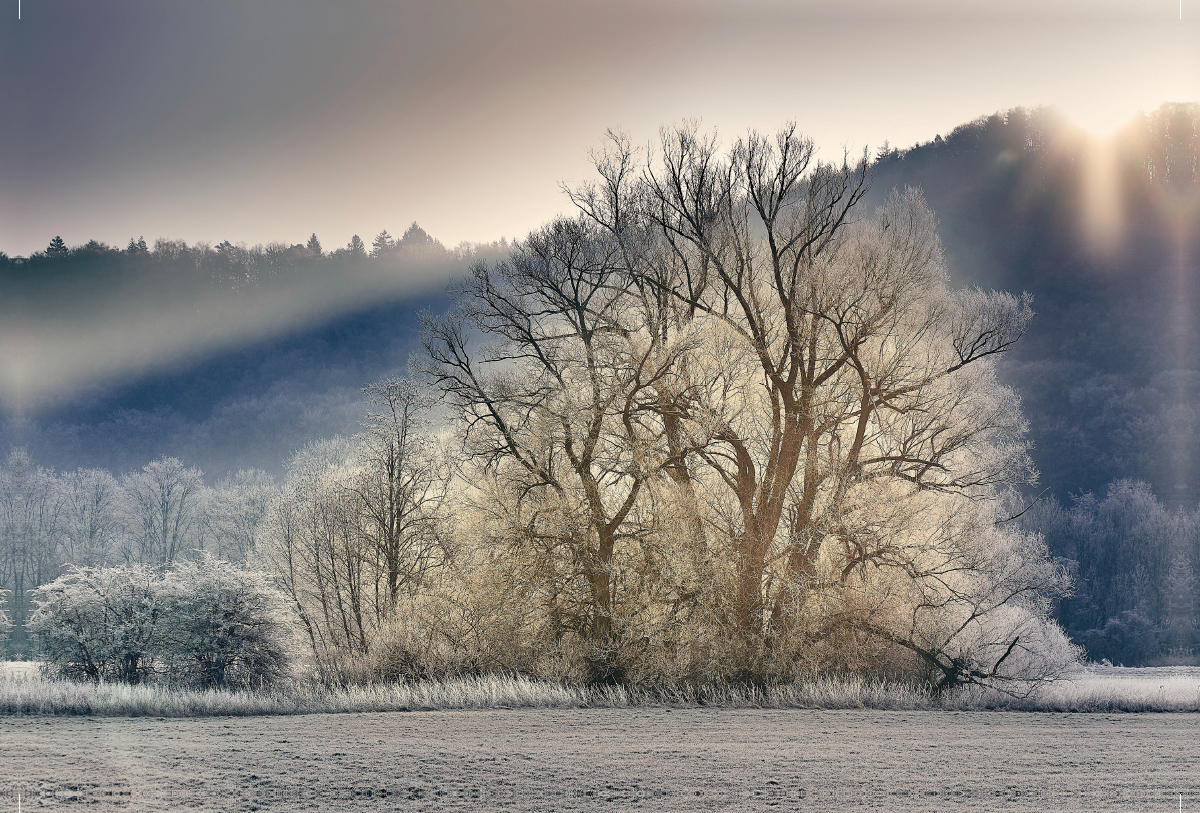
(596, 759)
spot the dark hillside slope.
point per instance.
(251, 407)
(1107, 238)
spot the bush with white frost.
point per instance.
(206, 624)
(224, 626)
(99, 623)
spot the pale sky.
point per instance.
(260, 120)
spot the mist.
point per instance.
(230, 357)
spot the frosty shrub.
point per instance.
(99, 623)
(202, 624)
(223, 626)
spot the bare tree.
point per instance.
(236, 511)
(29, 522)
(558, 409)
(91, 517)
(867, 376)
(317, 552)
(400, 486)
(163, 504)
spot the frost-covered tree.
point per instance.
(100, 623)
(163, 510)
(315, 551)
(30, 513)
(90, 519)
(234, 513)
(560, 412)
(205, 624)
(358, 525)
(1134, 563)
(856, 395)
(401, 484)
(5, 621)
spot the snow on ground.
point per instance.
(654, 759)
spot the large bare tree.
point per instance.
(850, 369)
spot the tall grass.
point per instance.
(1092, 690)
(37, 695)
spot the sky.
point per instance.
(268, 120)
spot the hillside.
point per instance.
(1106, 238)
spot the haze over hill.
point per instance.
(242, 370)
(228, 357)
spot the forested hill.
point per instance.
(228, 357)
(1106, 236)
(233, 355)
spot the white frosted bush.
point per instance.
(223, 626)
(206, 624)
(99, 623)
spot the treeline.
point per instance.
(1134, 564)
(88, 518)
(68, 290)
(234, 265)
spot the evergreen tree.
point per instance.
(383, 244)
(57, 248)
(314, 245)
(414, 235)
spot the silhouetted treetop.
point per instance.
(383, 244)
(415, 236)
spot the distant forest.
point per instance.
(1105, 238)
(225, 264)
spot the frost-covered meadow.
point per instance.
(650, 758)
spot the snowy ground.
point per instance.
(597, 759)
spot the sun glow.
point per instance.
(1101, 204)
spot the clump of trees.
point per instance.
(204, 624)
(718, 425)
(88, 518)
(359, 526)
(1134, 564)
